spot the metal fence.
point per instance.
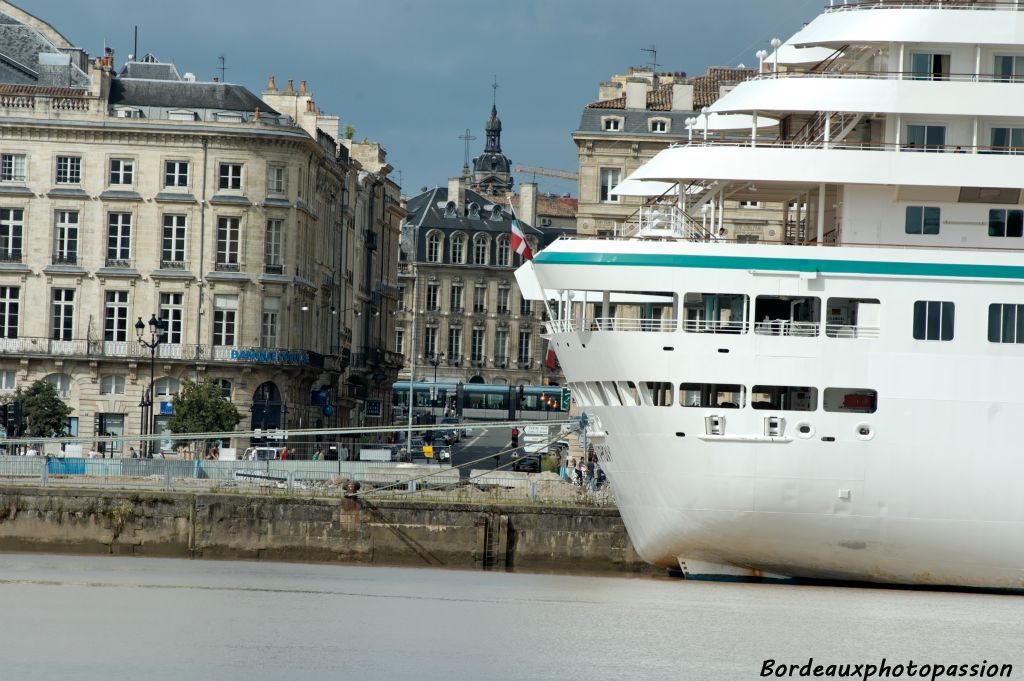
(377, 480)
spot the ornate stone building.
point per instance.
(472, 324)
(240, 222)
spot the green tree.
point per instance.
(200, 408)
(350, 131)
(44, 412)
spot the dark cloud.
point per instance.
(414, 74)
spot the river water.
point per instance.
(81, 618)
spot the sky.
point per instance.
(413, 75)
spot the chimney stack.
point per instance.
(291, 86)
(271, 84)
(636, 93)
(457, 193)
(682, 96)
(302, 87)
(528, 202)
(216, 79)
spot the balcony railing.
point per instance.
(501, 362)
(227, 267)
(524, 363)
(189, 352)
(64, 259)
(10, 256)
(269, 268)
(119, 262)
(454, 360)
(172, 265)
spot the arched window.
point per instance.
(480, 249)
(112, 384)
(62, 382)
(458, 251)
(434, 247)
(168, 386)
(504, 251)
(225, 388)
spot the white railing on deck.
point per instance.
(784, 327)
(631, 324)
(851, 331)
(1005, 5)
(710, 326)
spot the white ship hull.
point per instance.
(925, 490)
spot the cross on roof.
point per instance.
(467, 138)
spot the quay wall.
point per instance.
(300, 529)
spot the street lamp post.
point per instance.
(434, 360)
(156, 337)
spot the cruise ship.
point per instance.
(849, 406)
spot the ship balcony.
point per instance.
(773, 327)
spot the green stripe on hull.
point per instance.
(899, 269)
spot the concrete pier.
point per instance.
(293, 528)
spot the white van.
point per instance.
(260, 454)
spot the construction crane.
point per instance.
(547, 172)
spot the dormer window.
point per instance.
(496, 213)
(611, 123)
(659, 124)
(229, 117)
(474, 211)
(449, 209)
(181, 115)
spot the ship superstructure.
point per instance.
(843, 403)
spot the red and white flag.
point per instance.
(519, 244)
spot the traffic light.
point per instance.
(515, 437)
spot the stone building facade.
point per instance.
(238, 221)
(638, 115)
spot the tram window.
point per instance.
(784, 398)
(660, 393)
(851, 400)
(718, 395)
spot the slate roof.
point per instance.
(149, 71)
(427, 210)
(20, 46)
(185, 95)
(635, 121)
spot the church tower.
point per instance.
(492, 171)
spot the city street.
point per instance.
(479, 444)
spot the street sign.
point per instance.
(565, 399)
(374, 408)
(428, 451)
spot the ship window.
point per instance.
(1007, 140)
(707, 395)
(933, 320)
(853, 318)
(1008, 223)
(787, 316)
(784, 398)
(715, 312)
(926, 66)
(926, 137)
(1009, 68)
(855, 400)
(1006, 323)
(658, 392)
(922, 220)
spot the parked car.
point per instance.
(527, 464)
(459, 432)
(441, 452)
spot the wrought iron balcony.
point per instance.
(227, 267)
(269, 268)
(172, 265)
(65, 259)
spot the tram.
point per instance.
(481, 401)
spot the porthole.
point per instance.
(864, 431)
(805, 430)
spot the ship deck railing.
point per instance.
(1004, 5)
(774, 327)
(893, 75)
(908, 147)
